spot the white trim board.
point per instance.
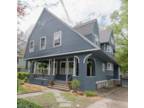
(52, 55)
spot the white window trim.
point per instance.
(111, 66)
(60, 39)
(31, 49)
(45, 43)
(109, 49)
(103, 67)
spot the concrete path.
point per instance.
(118, 99)
(59, 98)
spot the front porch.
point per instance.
(54, 69)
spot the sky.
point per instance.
(78, 10)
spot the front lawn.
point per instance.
(81, 101)
(45, 100)
(22, 103)
(48, 100)
(29, 88)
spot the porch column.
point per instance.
(67, 69)
(31, 66)
(48, 67)
(53, 66)
(35, 66)
(74, 67)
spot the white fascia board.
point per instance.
(52, 55)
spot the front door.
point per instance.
(61, 75)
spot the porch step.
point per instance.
(60, 85)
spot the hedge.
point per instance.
(23, 76)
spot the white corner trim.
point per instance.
(87, 56)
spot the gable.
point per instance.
(90, 30)
(47, 25)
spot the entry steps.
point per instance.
(60, 85)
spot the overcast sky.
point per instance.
(78, 10)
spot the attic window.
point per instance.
(31, 46)
(43, 43)
(57, 39)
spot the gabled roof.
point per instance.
(78, 33)
(85, 28)
(48, 20)
(105, 35)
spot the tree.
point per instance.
(21, 13)
(120, 26)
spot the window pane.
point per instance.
(57, 38)
(43, 43)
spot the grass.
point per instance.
(45, 100)
(22, 103)
(28, 88)
(82, 101)
(90, 93)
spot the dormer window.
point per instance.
(43, 43)
(31, 46)
(109, 49)
(57, 39)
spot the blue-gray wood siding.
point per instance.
(46, 26)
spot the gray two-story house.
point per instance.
(58, 52)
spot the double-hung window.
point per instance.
(110, 66)
(43, 43)
(31, 46)
(57, 39)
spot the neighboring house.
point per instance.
(20, 62)
(57, 52)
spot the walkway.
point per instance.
(59, 98)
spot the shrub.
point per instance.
(69, 85)
(90, 93)
(21, 103)
(75, 84)
(23, 76)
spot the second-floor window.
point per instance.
(110, 66)
(103, 67)
(57, 39)
(31, 46)
(43, 43)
